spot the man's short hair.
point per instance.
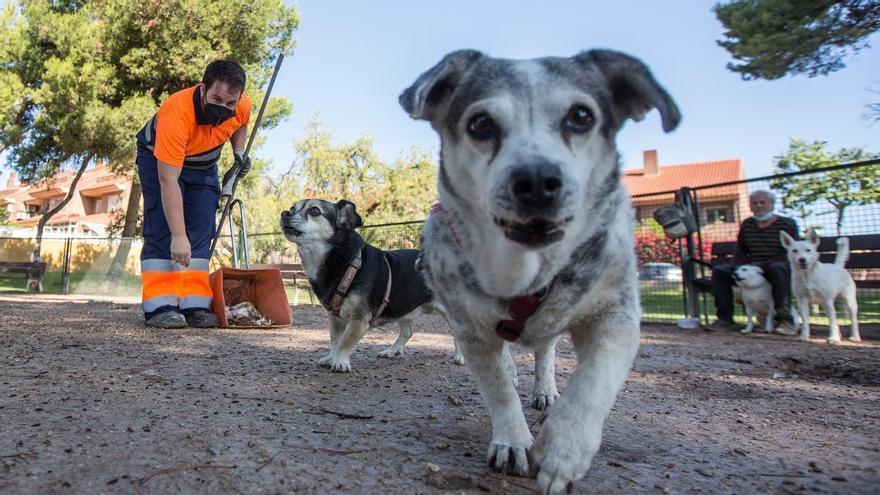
(227, 71)
(763, 192)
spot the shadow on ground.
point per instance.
(94, 402)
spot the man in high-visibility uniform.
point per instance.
(177, 158)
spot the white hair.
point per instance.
(763, 192)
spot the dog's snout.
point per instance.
(536, 186)
(286, 214)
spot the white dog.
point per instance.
(822, 283)
(757, 296)
(533, 237)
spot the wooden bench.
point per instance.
(863, 262)
(30, 269)
(293, 275)
(864, 258)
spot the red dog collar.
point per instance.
(520, 309)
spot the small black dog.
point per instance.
(359, 285)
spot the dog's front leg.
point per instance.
(804, 307)
(545, 393)
(573, 431)
(337, 326)
(749, 315)
(831, 312)
(458, 358)
(510, 365)
(354, 331)
(852, 307)
(510, 432)
(770, 320)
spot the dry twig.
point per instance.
(180, 469)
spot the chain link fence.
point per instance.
(841, 200)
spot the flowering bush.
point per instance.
(652, 247)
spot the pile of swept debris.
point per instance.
(244, 314)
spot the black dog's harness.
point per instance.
(344, 284)
(520, 308)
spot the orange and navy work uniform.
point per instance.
(182, 135)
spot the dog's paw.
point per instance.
(458, 359)
(541, 401)
(833, 340)
(853, 338)
(325, 361)
(390, 353)
(508, 459)
(746, 330)
(560, 456)
(340, 365)
(804, 338)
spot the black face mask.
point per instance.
(218, 113)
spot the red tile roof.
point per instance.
(672, 177)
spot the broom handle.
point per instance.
(247, 151)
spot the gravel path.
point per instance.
(93, 402)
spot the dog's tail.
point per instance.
(842, 251)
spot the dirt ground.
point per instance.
(93, 402)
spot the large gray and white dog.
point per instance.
(531, 203)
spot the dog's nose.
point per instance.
(536, 186)
(285, 214)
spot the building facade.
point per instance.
(722, 209)
(99, 199)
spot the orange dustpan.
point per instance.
(263, 288)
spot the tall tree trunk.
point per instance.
(35, 284)
(129, 229)
(840, 210)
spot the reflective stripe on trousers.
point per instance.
(168, 286)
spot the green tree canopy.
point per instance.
(382, 192)
(79, 78)
(839, 188)
(772, 38)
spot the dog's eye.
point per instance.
(578, 120)
(314, 211)
(482, 128)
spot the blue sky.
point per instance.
(354, 58)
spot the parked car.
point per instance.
(660, 271)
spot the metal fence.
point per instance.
(78, 265)
(834, 200)
(839, 200)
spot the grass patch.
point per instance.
(83, 283)
(664, 304)
(661, 301)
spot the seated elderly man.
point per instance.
(758, 244)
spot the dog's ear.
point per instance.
(433, 88)
(785, 239)
(813, 236)
(634, 91)
(347, 216)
